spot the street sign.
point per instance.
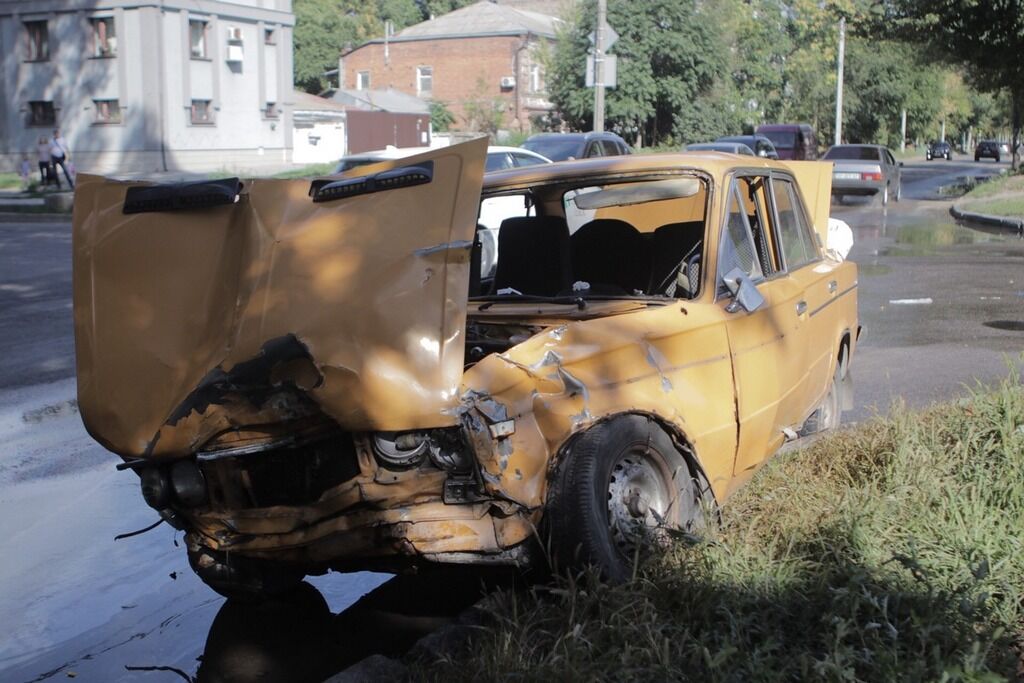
(610, 36)
(610, 70)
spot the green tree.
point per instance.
(986, 37)
(670, 67)
(441, 117)
(322, 29)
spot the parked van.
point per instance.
(791, 140)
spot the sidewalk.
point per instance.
(19, 206)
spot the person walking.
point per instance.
(60, 156)
(25, 171)
(45, 172)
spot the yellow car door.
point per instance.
(767, 344)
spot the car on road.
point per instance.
(498, 157)
(938, 149)
(791, 140)
(991, 149)
(865, 170)
(761, 145)
(729, 147)
(315, 375)
(566, 146)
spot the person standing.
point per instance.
(59, 156)
(25, 171)
(43, 149)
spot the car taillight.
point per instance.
(870, 176)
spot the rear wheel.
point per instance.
(827, 416)
(619, 487)
(885, 195)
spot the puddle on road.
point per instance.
(1008, 325)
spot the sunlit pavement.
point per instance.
(74, 601)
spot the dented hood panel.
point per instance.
(191, 322)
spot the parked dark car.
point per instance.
(991, 149)
(564, 146)
(792, 140)
(729, 147)
(938, 149)
(762, 146)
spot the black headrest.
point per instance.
(533, 255)
(609, 253)
(670, 244)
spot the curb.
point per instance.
(33, 217)
(1014, 225)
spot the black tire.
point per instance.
(977, 159)
(619, 485)
(241, 578)
(827, 416)
(885, 195)
(899, 192)
(840, 199)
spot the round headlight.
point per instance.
(156, 490)
(188, 483)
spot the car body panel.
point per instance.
(272, 273)
(847, 173)
(380, 349)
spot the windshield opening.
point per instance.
(565, 244)
(853, 152)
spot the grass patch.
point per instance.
(310, 171)
(998, 206)
(997, 185)
(9, 181)
(892, 551)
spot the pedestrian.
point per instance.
(60, 156)
(25, 171)
(45, 172)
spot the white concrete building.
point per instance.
(139, 86)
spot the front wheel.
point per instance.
(620, 485)
(899, 192)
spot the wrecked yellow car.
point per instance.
(314, 376)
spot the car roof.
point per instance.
(857, 144)
(576, 136)
(737, 147)
(715, 164)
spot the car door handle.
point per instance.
(801, 307)
(832, 286)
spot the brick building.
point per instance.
(485, 62)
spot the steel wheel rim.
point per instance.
(639, 498)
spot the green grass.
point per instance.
(998, 185)
(310, 171)
(998, 206)
(893, 551)
(9, 180)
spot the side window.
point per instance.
(889, 159)
(610, 148)
(794, 236)
(525, 160)
(497, 162)
(594, 150)
(753, 194)
(737, 249)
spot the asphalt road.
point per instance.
(74, 601)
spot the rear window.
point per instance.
(853, 152)
(782, 139)
(556, 149)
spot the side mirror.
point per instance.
(763, 153)
(901, 163)
(745, 294)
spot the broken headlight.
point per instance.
(403, 450)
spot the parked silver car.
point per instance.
(864, 170)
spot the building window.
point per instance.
(536, 78)
(104, 39)
(197, 37)
(363, 80)
(41, 113)
(269, 36)
(424, 80)
(270, 111)
(202, 112)
(37, 41)
(107, 111)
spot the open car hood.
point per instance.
(205, 308)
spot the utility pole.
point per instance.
(839, 81)
(903, 130)
(602, 11)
